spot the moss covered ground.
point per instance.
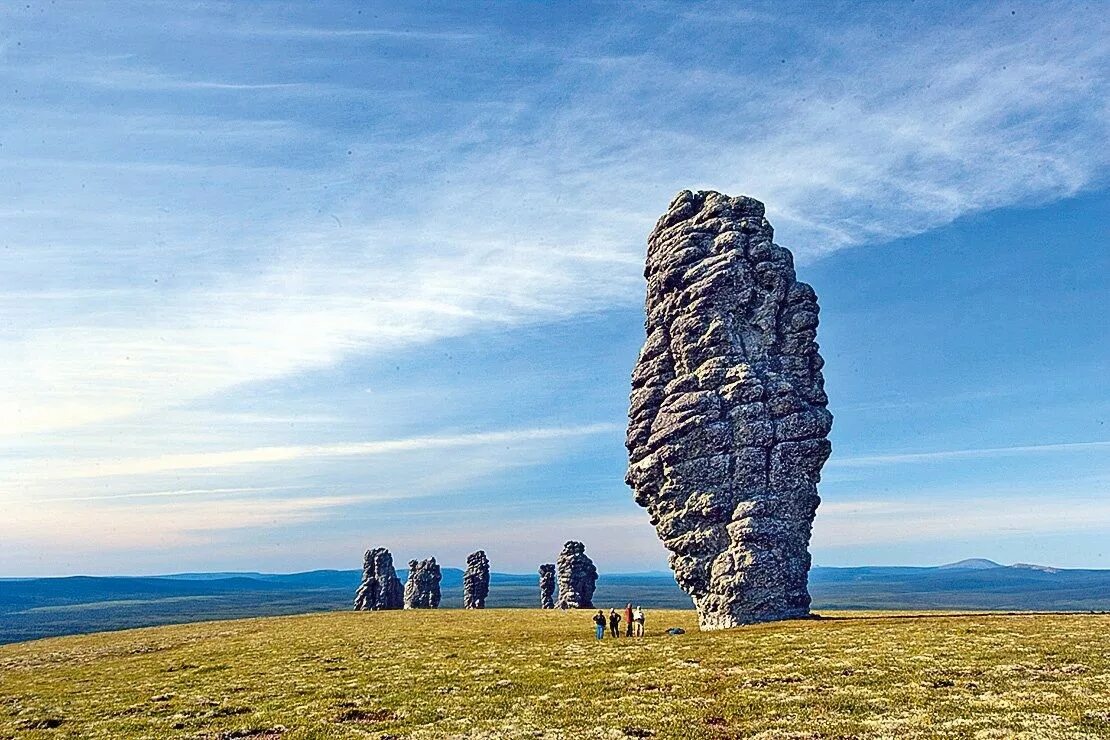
(526, 673)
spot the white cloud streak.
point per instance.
(904, 458)
(51, 469)
(108, 511)
(93, 529)
(176, 493)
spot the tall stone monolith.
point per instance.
(380, 588)
(727, 426)
(476, 580)
(577, 577)
(547, 586)
(422, 585)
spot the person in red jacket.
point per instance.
(628, 620)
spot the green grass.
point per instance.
(526, 673)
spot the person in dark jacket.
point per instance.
(614, 623)
(599, 623)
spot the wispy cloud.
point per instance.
(176, 493)
(318, 32)
(107, 512)
(92, 529)
(315, 314)
(903, 458)
(886, 139)
(215, 459)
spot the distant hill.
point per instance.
(971, 564)
(1031, 566)
(41, 607)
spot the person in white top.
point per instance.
(638, 618)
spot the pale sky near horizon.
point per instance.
(285, 281)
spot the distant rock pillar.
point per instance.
(577, 577)
(547, 586)
(728, 428)
(476, 580)
(422, 586)
(380, 588)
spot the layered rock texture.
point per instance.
(577, 577)
(547, 586)
(380, 588)
(422, 585)
(476, 580)
(727, 426)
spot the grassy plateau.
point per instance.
(527, 673)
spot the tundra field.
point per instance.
(527, 673)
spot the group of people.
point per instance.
(633, 620)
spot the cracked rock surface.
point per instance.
(577, 577)
(380, 588)
(476, 580)
(422, 585)
(728, 423)
(547, 586)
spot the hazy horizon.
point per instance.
(461, 567)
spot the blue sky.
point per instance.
(285, 281)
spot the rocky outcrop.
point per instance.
(547, 586)
(577, 577)
(728, 427)
(380, 588)
(422, 585)
(476, 580)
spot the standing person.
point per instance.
(628, 620)
(599, 623)
(639, 618)
(614, 623)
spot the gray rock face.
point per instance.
(422, 586)
(577, 577)
(380, 588)
(476, 580)
(547, 586)
(727, 422)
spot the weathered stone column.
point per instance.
(547, 586)
(422, 585)
(577, 577)
(380, 588)
(476, 580)
(727, 426)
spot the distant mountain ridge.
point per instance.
(971, 564)
(984, 564)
